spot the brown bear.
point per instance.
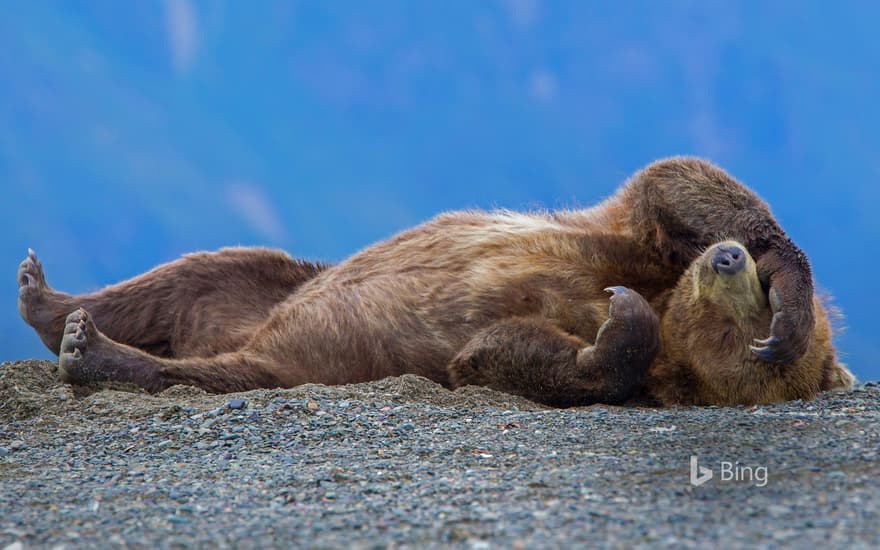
(698, 268)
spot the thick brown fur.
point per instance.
(509, 300)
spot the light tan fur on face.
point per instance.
(741, 294)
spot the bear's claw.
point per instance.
(774, 349)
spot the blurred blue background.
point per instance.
(132, 132)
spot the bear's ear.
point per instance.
(675, 241)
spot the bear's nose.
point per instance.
(729, 259)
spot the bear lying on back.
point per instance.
(710, 303)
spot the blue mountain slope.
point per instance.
(133, 132)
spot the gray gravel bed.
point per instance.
(405, 462)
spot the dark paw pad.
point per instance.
(74, 344)
(31, 285)
(632, 331)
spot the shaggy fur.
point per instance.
(509, 300)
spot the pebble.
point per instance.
(236, 404)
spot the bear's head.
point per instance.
(716, 311)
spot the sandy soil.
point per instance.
(405, 462)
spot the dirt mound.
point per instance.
(28, 388)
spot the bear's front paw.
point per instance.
(789, 334)
(632, 332)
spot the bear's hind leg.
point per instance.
(536, 359)
(87, 355)
(40, 306)
(202, 304)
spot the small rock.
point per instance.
(237, 404)
(776, 510)
(176, 519)
(4, 451)
(208, 424)
(661, 429)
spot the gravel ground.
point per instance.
(405, 462)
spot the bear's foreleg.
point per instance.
(532, 357)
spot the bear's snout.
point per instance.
(729, 259)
